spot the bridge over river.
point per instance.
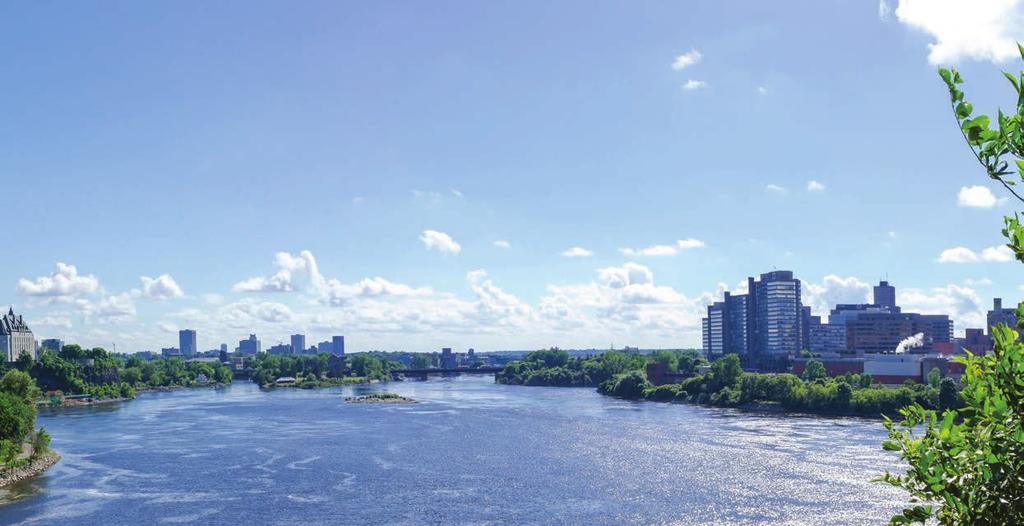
(423, 373)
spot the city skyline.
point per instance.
(571, 195)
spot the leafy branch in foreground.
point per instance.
(966, 467)
(991, 146)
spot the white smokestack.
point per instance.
(911, 342)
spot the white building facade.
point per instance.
(16, 337)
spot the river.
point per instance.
(471, 452)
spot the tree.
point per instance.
(420, 361)
(934, 377)
(949, 395)
(966, 466)
(24, 362)
(725, 372)
(814, 370)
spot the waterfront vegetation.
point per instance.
(725, 384)
(554, 367)
(965, 466)
(104, 375)
(380, 398)
(316, 370)
(20, 442)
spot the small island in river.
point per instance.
(380, 398)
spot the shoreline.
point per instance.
(33, 469)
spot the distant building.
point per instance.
(145, 355)
(339, 345)
(764, 327)
(885, 295)
(999, 314)
(16, 337)
(298, 343)
(187, 342)
(250, 346)
(280, 348)
(825, 338)
(168, 352)
(224, 348)
(448, 358)
(325, 347)
(53, 344)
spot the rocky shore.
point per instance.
(33, 468)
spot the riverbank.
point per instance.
(33, 468)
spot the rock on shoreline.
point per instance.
(33, 468)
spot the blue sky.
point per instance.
(169, 152)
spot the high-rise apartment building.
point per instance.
(338, 343)
(250, 346)
(187, 342)
(298, 343)
(1000, 314)
(763, 327)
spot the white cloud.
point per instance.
(997, 254)
(663, 250)
(283, 280)
(892, 234)
(689, 243)
(962, 304)
(981, 30)
(761, 90)
(776, 189)
(692, 85)
(834, 290)
(60, 322)
(358, 200)
(161, 288)
(167, 327)
(577, 252)
(958, 255)
(456, 193)
(428, 199)
(247, 314)
(884, 11)
(113, 308)
(979, 282)
(686, 60)
(439, 241)
(976, 196)
(63, 284)
(815, 186)
(501, 243)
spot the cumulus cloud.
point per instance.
(64, 283)
(962, 304)
(997, 254)
(693, 84)
(884, 10)
(61, 322)
(776, 189)
(288, 267)
(501, 243)
(686, 60)
(815, 186)
(439, 241)
(976, 197)
(980, 30)
(160, 288)
(248, 313)
(663, 250)
(834, 290)
(109, 308)
(577, 252)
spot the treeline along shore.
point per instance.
(723, 383)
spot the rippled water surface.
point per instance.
(470, 453)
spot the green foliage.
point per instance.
(630, 386)
(314, 371)
(419, 361)
(17, 413)
(967, 465)
(725, 372)
(556, 368)
(992, 146)
(814, 370)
